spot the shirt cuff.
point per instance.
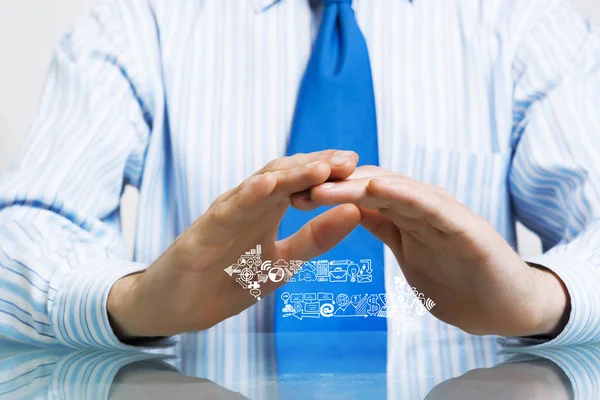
(581, 278)
(78, 312)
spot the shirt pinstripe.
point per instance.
(497, 101)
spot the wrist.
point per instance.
(555, 303)
(123, 310)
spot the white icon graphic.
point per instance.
(296, 265)
(353, 307)
(325, 297)
(322, 271)
(310, 297)
(429, 304)
(250, 266)
(311, 307)
(342, 300)
(373, 305)
(289, 275)
(404, 305)
(353, 271)
(307, 273)
(246, 275)
(276, 274)
(365, 272)
(338, 271)
(327, 310)
(296, 297)
(288, 309)
(265, 266)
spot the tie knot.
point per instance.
(328, 2)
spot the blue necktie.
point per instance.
(335, 109)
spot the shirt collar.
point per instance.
(264, 5)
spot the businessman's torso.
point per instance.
(443, 75)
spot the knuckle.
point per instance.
(216, 215)
(222, 197)
(273, 165)
(188, 243)
(270, 179)
(413, 199)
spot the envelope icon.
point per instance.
(338, 275)
(364, 279)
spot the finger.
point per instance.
(420, 230)
(263, 191)
(382, 228)
(321, 234)
(245, 204)
(342, 163)
(371, 171)
(348, 191)
(405, 197)
(422, 203)
(303, 202)
(299, 179)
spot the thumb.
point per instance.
(382, 228)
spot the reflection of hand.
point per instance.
(535, 380)
(186, 289)
(146, 381)
(452, 255)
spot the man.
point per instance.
(188, 100)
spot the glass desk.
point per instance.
(318, 366)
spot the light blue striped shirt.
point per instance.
(497, 101)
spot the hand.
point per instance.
(452, 255)
(186, 289)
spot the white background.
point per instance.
(28, 31)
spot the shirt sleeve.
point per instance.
(61, 248)
(555, 176)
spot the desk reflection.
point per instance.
(25, 373)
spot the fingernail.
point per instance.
(327, 185)
(339, 160)
(345, 153)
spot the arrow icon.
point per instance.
(300, 315)
(369, 269)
